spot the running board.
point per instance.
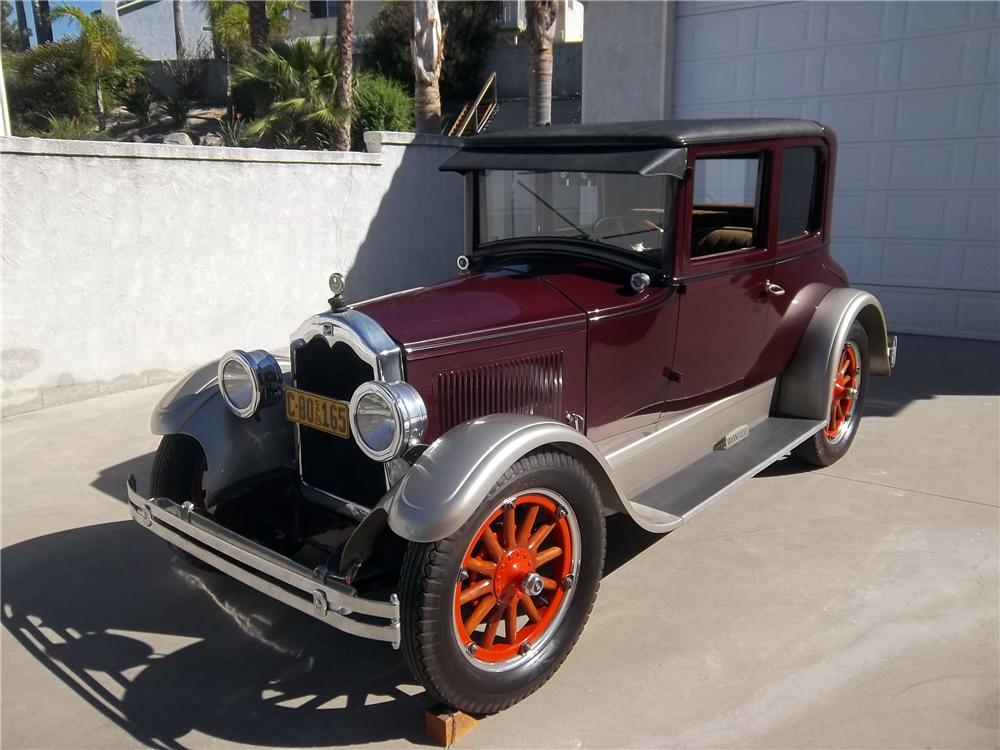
(693, 488)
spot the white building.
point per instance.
(911, 89)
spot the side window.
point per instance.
(797, 211)
(726, 206)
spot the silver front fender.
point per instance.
(234, 448)
(454, 475)
(806, 385)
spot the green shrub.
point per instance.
(48, 79)
(233, 131)
(136, 94)
(185, 75)
(378, 103)
(81, 128)
(295, 86)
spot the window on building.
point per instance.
(323, 9)
(725, 213)
(797, 211)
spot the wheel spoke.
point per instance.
(527, 526)
(548, 584)
(492, 545)
(491, 628)
(546, 555)
(539, 536)
(479, 613)
(530, 610)
(510, 622)
(478, 565)
(475, 591)
(509, 529)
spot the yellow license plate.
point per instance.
(318, 412)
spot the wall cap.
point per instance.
(119, 150)
(375, 140)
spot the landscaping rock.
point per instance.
(178, 139)
(212, 139)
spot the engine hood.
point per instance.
(473, 309)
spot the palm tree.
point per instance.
(427, 52)
(300, 81)
(43, 21)
(541, 33)
(260, 31)
(22, 25)
(179, 28)
(100, 47)
(230, 25)
(345, 70)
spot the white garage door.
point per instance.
(911, 88)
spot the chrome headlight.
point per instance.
(387, 418)
(248, 381)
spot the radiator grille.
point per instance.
(328, 462)
(524, 385)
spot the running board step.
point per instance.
(692, 489)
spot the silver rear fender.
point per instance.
(806, 385)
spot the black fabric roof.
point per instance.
(655, 147)
(652, 133)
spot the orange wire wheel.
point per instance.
(846, 387)
(516, 580)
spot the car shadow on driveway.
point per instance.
(163, 649)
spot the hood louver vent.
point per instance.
(524, 385)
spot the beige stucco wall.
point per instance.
(127, 264)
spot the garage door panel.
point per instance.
(980, 267)
(912, 92)
(977, 316)
(854, 22)
(911, 88)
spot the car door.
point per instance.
(723, 264)
(799, 216)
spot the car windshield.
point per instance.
(622, 211)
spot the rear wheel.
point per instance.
(850, 390)
(490, 612)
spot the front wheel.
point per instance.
(850, 390)
(179, 474)
(490, 612)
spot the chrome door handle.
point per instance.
(771, 288)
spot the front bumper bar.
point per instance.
(262, 569)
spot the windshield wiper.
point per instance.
(553, 209)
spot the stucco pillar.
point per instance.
(628, 61)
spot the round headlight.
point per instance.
(387, 418)
(248, 381)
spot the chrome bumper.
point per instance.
(264, 570)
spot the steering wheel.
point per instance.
(618, 226)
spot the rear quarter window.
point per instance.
(797, 208)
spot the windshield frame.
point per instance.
(662, 263)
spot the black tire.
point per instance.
(179, 458)
(824, 448)
(430, 573)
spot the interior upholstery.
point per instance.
(721, 240)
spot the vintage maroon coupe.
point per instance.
(645, 314)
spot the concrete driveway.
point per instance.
(851, 607)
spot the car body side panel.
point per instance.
(235, 448)
(568, 343)
(448, 482)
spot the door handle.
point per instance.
(771, 288)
